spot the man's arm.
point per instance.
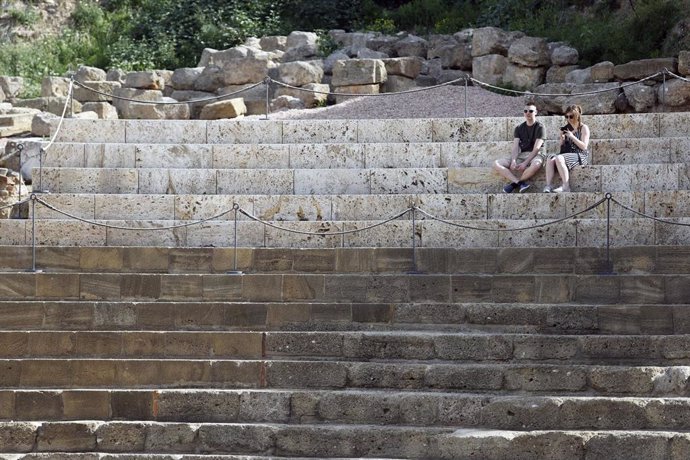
(515, 152)
(537, 145)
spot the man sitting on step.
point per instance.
(526, 157)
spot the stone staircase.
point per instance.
(477, 344)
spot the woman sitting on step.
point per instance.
(574, 143)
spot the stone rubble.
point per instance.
(363, 63)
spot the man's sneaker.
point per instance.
(510, 187)
(523, 186)
(547, 189)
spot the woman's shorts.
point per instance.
(573, 159)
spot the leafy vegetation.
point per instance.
(145, 34)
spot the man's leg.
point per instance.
(502, 167)
(532, 169)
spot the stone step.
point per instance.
(315, 316)
(369, 181)
(356, 131)
(345, 155)
(317, 208)
(490, 233)
(555, 445)
(650, 379)
(370, 441)
(126, 456)
(356, 288)
(346, 345)
(137, 259)
(16, 124)
(429, 409)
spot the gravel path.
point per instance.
(441, 102)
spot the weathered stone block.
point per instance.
(636, 70)
(86, 405)
(297, 374)
(231, 108)
(245, 439)
(66, 437)
(358, 72)
(489, 69)
(17, 436)
(102, 91)
(530, 52)
(177, 437)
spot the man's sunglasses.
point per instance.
(529, 110)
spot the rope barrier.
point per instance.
(62, 117)
(530, 227)
(654, 218)
(116, 227)
(586, 93)
(343, 232)
(677, 76)
(193, 101)
(397, 93)
(608, 267)
(269, 80)
(346, 232)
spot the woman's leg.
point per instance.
(550, 170)
(563, 172)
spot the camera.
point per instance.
(564, 129)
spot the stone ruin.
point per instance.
(232, 83)
(10, 193)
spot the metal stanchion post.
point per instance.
(608, 270)
(465, 97)
(414, 241)
(33, 235)
(20, 148)
(267, 81)
(235, 271)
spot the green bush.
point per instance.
(25, 16)
(384, 25)
(325, 43)
(48, 56)
(420, 16)
(601, 35)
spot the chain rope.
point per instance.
(654, 218)
(480, 83)
(116, 227)
(586, 93)
(342, 232)
(212, 98)
(529, 227)
(347, 232)
(330, 93)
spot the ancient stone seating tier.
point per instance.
(539, 344)
(334, 176)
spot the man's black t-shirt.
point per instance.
(528, 135)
